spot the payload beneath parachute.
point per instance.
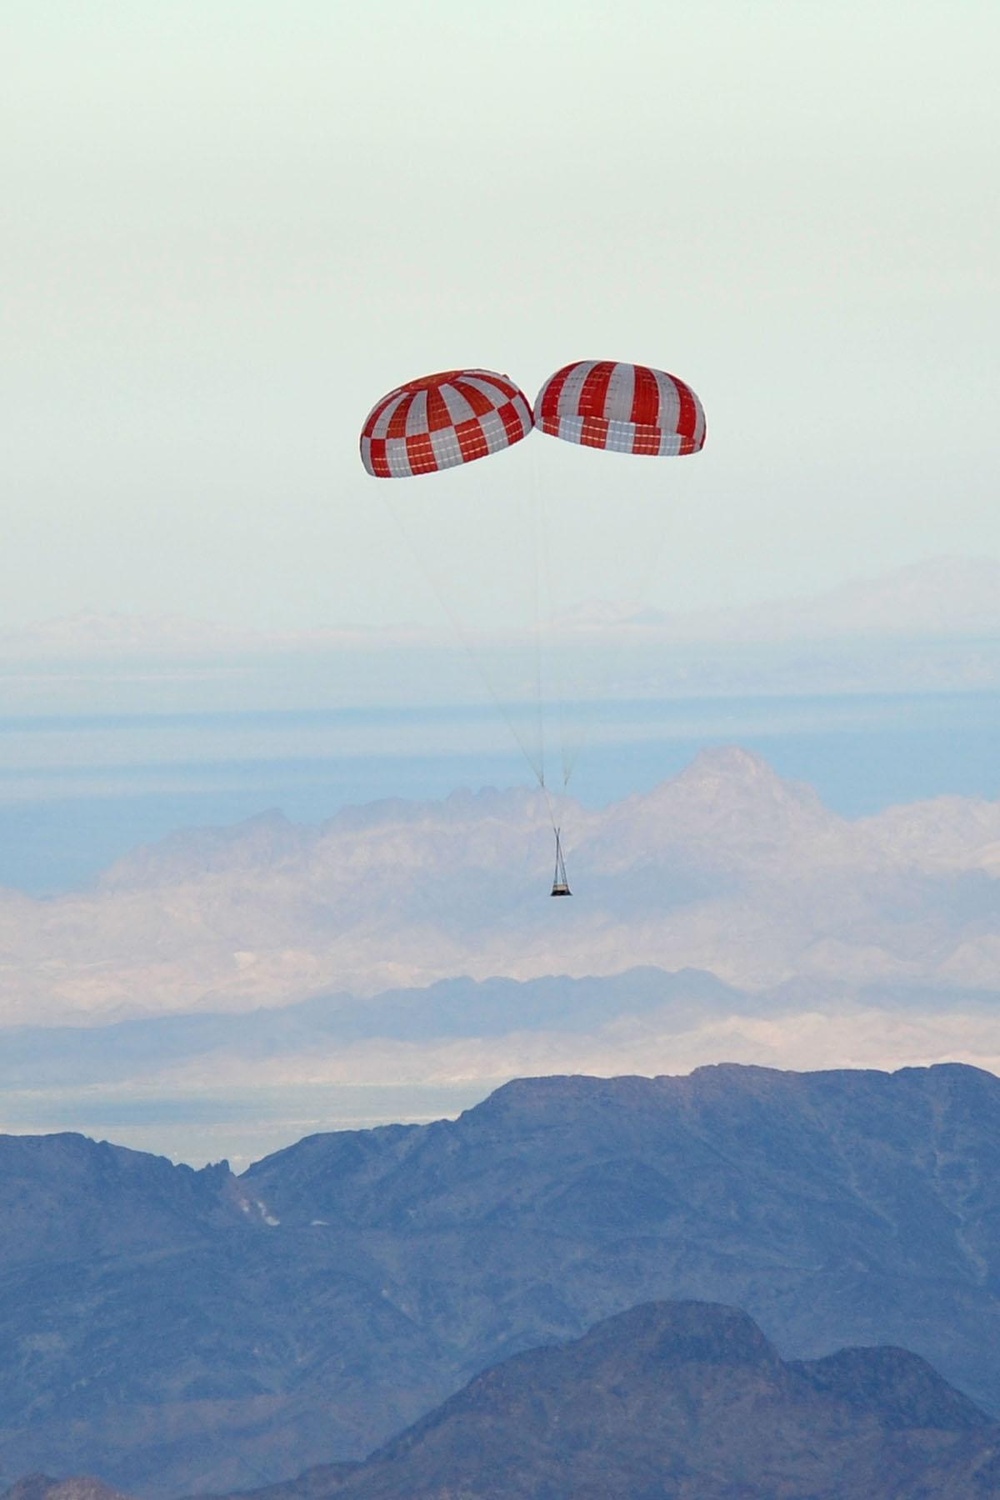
(453, 418)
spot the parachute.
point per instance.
(443, 420)
(541, 552)
(623, 408)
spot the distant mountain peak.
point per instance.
(677, 1398)
(734, 770)
(905, 1390)
(732, 764)
(672, 1334)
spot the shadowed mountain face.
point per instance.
(64, 1198)
(177, 1331)
(672, 1401)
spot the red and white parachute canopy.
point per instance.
(443, 420)
(624, 408)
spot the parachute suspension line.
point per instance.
(536, 521)
(652, 564)
(549, 670)
(554, 684)
(560, 882)
(464, 636)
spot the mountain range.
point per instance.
(178, 1331)
(682, 1401)
(667, 1401)
(726, 868)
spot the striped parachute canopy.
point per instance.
(441, 421)
(624, 408)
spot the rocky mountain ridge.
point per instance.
(178, 1331)
(666, 1401)
(671, 1401)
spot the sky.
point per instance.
(230, 227)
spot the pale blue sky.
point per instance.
(229, 227)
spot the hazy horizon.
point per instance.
(239, 987)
